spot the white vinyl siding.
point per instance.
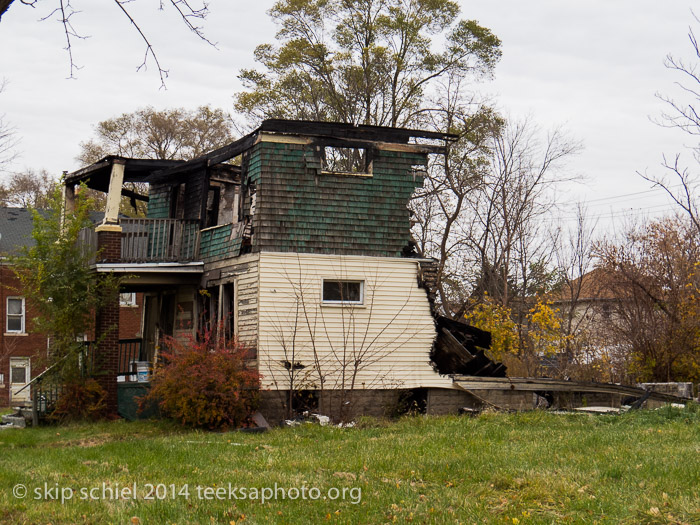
(390, 334)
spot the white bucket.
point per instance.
(142, 371)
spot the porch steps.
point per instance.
(20, 419)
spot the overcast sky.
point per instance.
(591, 66)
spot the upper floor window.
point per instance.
(15, 315)
(346, 161)
(127, 299)
(343, 292)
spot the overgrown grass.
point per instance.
(524, 468)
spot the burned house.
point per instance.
(296, 240)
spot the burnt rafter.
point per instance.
(96, 175)
(328, 133)
(459, 349)
(351, 131)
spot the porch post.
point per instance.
(107, 336)
(68, 203)
(114, 197)
(109, 234)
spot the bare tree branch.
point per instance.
(63, 11)
(8, 139)
(685, 116)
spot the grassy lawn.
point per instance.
(524, 468)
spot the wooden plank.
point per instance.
(527, 384)
(455, 346)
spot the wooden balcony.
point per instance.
(159, 240)
(154, 240)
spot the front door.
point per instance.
(20, 374)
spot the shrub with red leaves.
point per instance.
(80, 400)
(205, 382)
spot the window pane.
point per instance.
(344, 291)
(351, 292)
(14, 324)
(127, 299)
(18, 375)
(14, 306)
(331, 291)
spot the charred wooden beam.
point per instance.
(133, 195)
(351, 131)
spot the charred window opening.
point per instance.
(343, 292)
(212, 212)
(346, 161)
(177, 201)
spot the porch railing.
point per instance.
(159, 240)
(129, 352)
(152, 240)
(47, 388)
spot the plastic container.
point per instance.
(142, 371)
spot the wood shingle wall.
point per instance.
(301, 209)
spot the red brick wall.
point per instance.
(33, 345)
(130, 319)
(30, 344)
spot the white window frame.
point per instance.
(131, 302)
(2, 379)
(330, 302)
(22, 316)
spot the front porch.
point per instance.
(134, 368)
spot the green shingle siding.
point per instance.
(300, 210)
(158, 202)
(216, 243)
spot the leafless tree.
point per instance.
(680, 182)
(191, 13)
(483, 214)
(440, 206)
(574, 297)
(8, 138)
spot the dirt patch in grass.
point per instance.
(92, 441)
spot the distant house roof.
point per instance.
(594, 286)
(16, 228)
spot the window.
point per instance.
(127, 299)
(2, 379)
(343, 292)
(18, 375)
(15, 315)
(346, 161)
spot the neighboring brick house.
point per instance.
(22, 349)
